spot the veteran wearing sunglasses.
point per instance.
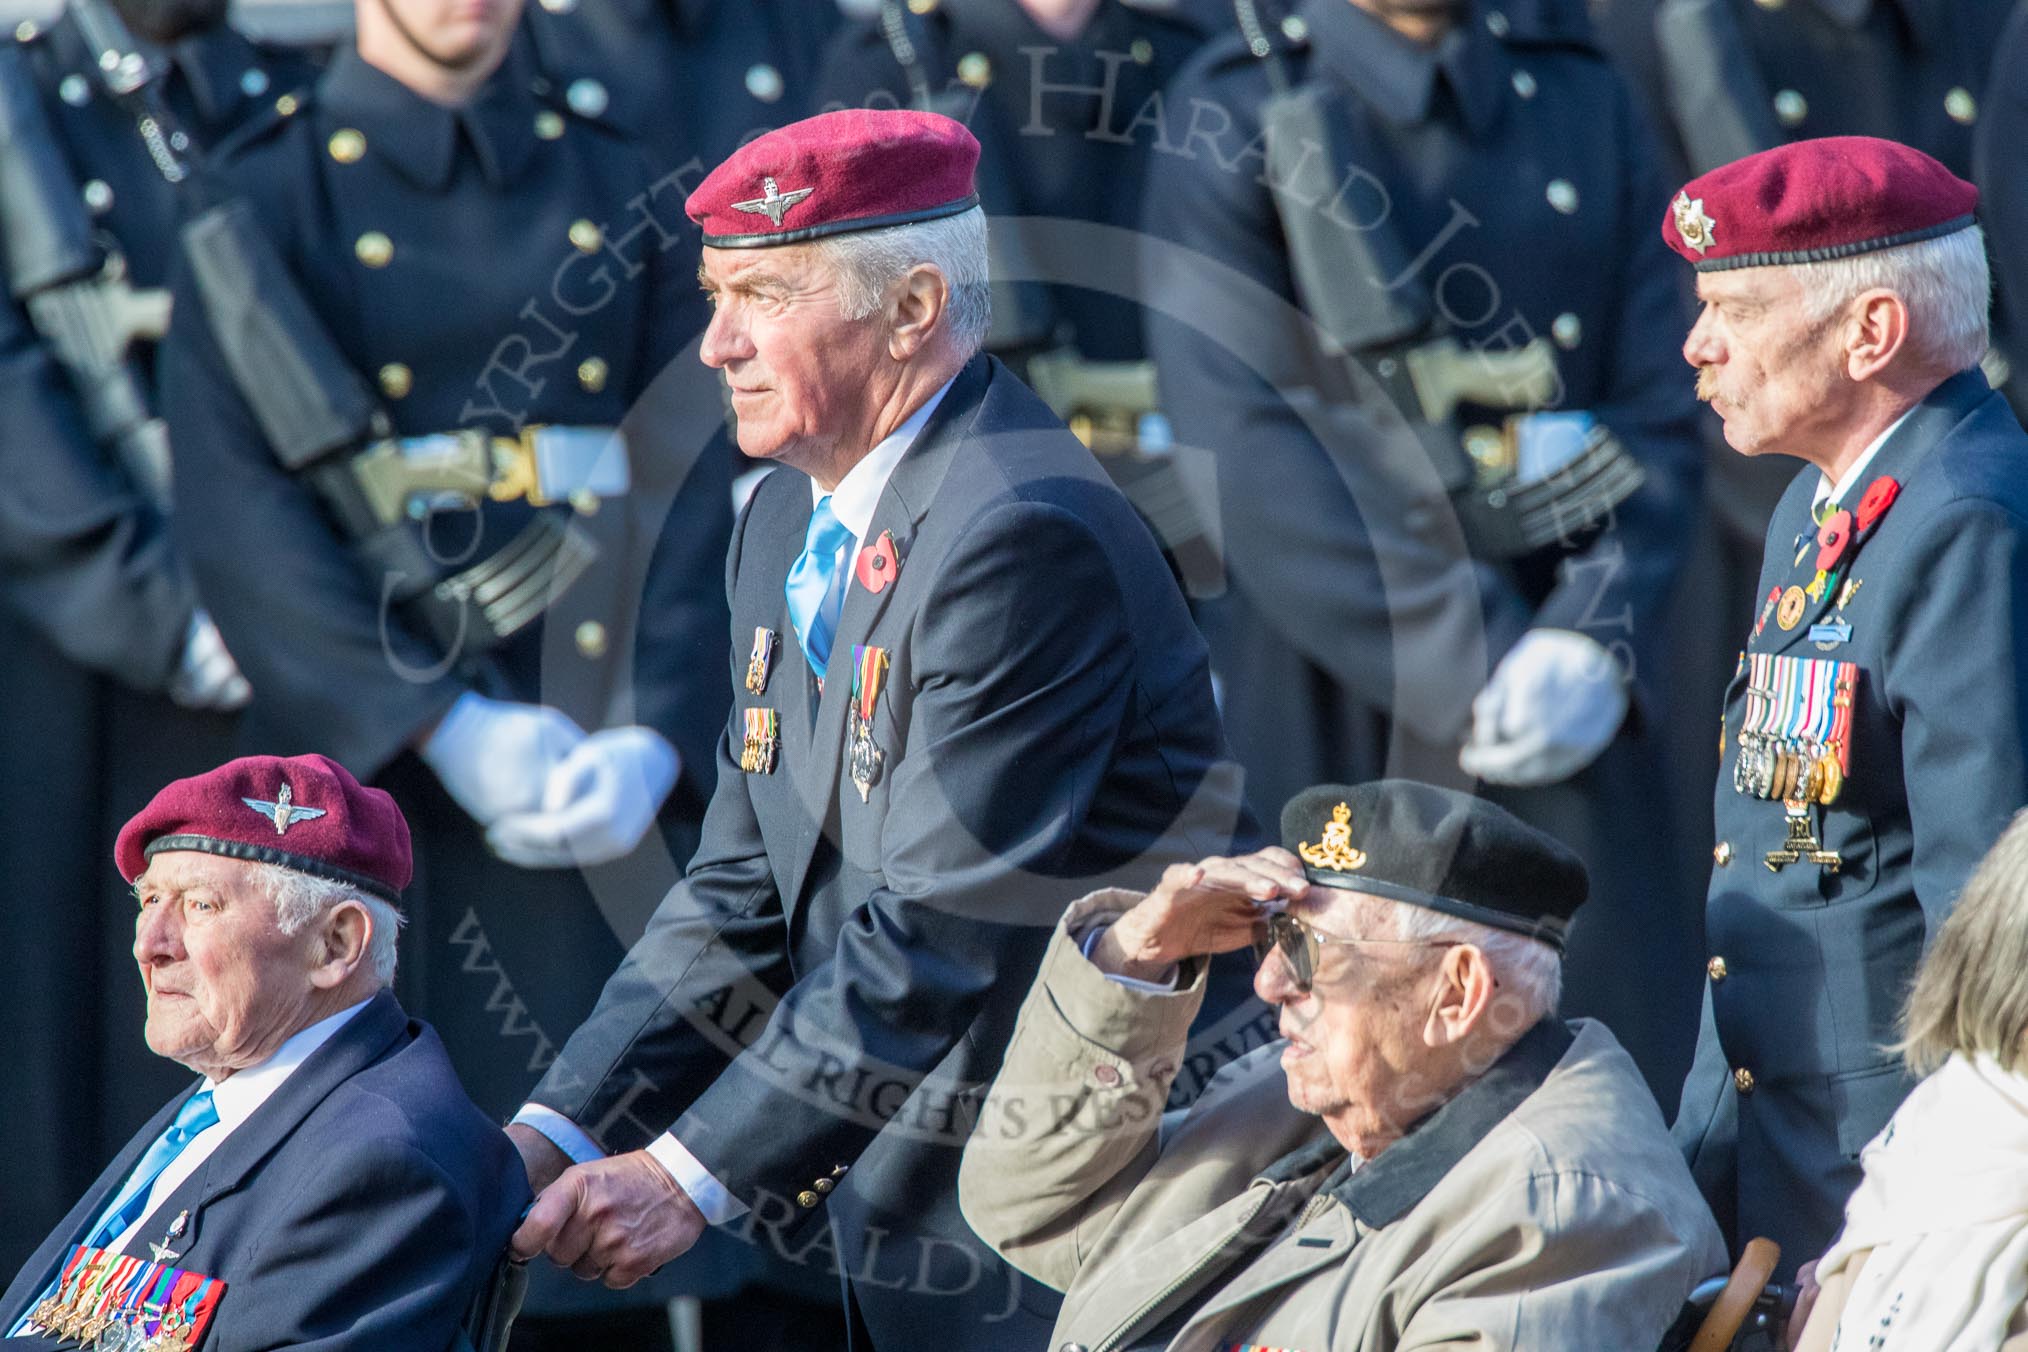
(1427, 1157)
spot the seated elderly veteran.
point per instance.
(1427, 1157)
(327, 1184)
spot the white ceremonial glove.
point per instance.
(1553, 705)
(207, 677)
(494, 757)
(597, 804)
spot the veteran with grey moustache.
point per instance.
(1428, 1157)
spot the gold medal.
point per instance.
(1790, 612)
(1833, 780)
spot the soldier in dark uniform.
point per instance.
(1876, 733)
(103, 635)
(1453, 499)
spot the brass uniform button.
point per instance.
(26, 30)
(346, 145)
(1568, 331)
(1961, 106)
(823, 1185)
(1296, 29)
(1721, 853)
(975, 70)
(587, 97)
(1142, 50)
(765, 83)
(287, 104)
(592, 373)
(806, 1199)
(396, 380)
(1790, 108)
(98, 196)
(586, 237)
(1715, 969)
(922, 6)
(74, 90)
(1562, 195)
(1742, 1079)
(549, 124)
(374, 249)
(591, 639)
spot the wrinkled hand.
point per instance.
(1554, 703)
(540, 1156)
(597, 802)
(1199, 909)
(207, 677)
(1807, 1292)
(494, 757)
(614, 1220)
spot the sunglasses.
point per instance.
(1302, 945)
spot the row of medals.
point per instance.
(1787, 770)
(104, 1332)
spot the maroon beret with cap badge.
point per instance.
(305, 813)
(1811, 201)
(855, 169)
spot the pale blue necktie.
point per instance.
(131, 1202)
(815, 599)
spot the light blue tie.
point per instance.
(131, 1202)
(815, 599)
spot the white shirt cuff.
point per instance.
(718, 1205)
(1163, 985)
(565, 1134)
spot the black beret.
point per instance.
(1438, 848)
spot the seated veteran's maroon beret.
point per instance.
(857, 169)
(1810, 201)
(305, 813)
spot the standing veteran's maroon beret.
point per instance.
(1810, 201)
(858, 169)
(305, 813)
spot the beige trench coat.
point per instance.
(1543, 1208)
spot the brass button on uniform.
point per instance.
(587, 97)
(1790, 108)
(396, 380)
(922, 6)
(98, 196)
(74, 90)
(347, 145)
(806, 1199)
(975, 70)
(586, 237)
(764, 82)
(823, 1185)
(1296, 29)
(374, 249)
(1721, 853)
(287, 104)
(1715, 969)
(1742, 1080)
(1961, 106)
(1562, 195)
(1142, 50)
(26, 30)
(549, 124)
(592, 373)
(1568, 331)
(591, 639)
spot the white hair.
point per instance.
(1528, 968)
(868, 262)
(301, 898)
(1944, 282)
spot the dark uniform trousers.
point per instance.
(816, 1013)
(505, 265)
(95, 609)
(1513, 173)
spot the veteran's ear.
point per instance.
(338, 948)
(1465, 988)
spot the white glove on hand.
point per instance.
(207, 677)
(494, 757)
(1553, 705)
(598, 803)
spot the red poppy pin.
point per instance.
(878, 564)
(1832, 538)
(1874, 502)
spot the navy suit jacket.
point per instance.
(817, 1009)
(360, 1207)
(1808, 967)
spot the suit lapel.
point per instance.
(903, 504)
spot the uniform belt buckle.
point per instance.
(514, 472)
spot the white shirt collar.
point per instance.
(240, 1093)
(857, 495)
(1836, 492)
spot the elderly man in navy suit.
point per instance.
(327, 1184)
(1876, 732)
(966, 687)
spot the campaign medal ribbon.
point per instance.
(118, 1332)
(112, 1297)
(70, 1320)
(92, 1297)
(1795, 736)
(761, 746)
(762, 660)
(869, 669)
(173, 1323)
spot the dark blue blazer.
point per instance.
(817, 1010)
(360, 1207)
(1807, 968)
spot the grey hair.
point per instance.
(868, 262)
(1971, 993)
(1945, 283)
(1529, 968)
(301, 898)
